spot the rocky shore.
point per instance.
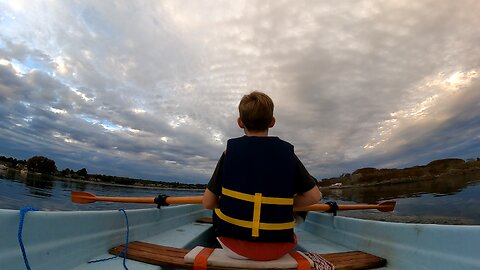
(369, 177)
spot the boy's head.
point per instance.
(256, 112)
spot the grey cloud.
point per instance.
(336, 71)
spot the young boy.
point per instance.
(256, 184)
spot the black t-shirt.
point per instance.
(303, 180)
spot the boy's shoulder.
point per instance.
(266, 139)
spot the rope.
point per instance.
(23, 211)
(124, 251)
(319, 262)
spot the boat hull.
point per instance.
(68, 240)
(405, 246)
(72, 238)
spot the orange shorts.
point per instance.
(258, 251)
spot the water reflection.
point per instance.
(19, 189)
(38, 184)
(448, 200)
(77, 186)
(10, 174)
(442, 186)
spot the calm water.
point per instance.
(17, 191)
(443, 201)
(447, 200)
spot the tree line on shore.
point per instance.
(364, 176)
(431, 171)
(44, 165)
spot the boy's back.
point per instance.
(257, 182)
(265, 167)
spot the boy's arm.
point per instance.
(306, 186)
(307, 198)
(210, 200)
(214, 187)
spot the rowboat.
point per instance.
(72, 239)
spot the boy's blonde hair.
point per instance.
(256, 111)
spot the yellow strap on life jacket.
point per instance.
(257, 201)
(249, 224)
(257, 206)
(251, 198)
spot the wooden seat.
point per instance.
(173, 257)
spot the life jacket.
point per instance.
(256, 203)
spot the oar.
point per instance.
(86, 197)
(387, 206)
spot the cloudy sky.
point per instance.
(149, 89)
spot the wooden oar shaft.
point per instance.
(384, 207)
(125, 199)
(169, 200)
(185, 200)
(86, 197)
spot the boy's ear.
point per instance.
(240, 123)
(272, 123)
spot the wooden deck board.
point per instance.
(153, 254)
(354, 260)
(173, 257)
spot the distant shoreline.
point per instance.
(371, 177)
(365, 177)
(471, 173)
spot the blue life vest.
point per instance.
(257, 190)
